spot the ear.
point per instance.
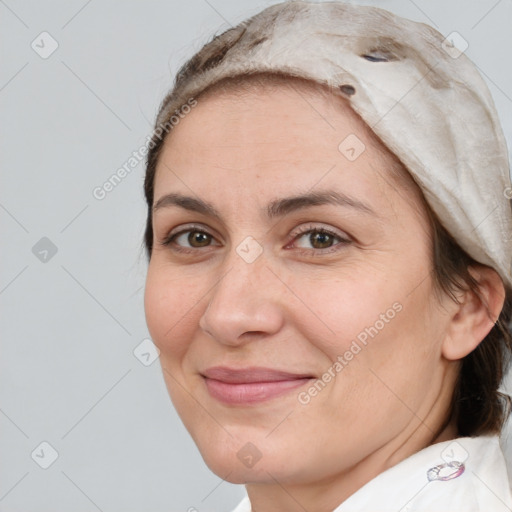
(475, 316)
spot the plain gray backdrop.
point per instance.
(72, 273)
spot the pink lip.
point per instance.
(250, 385)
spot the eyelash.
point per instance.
(168, 240)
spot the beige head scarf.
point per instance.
(419, 94)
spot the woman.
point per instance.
(329, 282)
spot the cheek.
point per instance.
(350, 307)
(171, 309)
(384, 357)
(367, 323)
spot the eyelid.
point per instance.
(166, 239)
(303, 229)
(189, 227)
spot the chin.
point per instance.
(235, 458)
(241, 462)
(235, 465)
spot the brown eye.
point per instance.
(189, 239)
(324, 240)
(198, 238)
(320, 240)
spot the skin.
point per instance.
(297, 307)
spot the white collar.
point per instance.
(483, 485)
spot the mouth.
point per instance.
(252, 385)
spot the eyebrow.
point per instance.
(276, 208)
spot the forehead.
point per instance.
(274, 136)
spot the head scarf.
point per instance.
(415, 89)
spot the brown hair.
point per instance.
(478, 406)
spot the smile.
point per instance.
(250, 385)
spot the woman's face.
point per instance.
(337, 335)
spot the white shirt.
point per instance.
(467, 474)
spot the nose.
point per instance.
(245, 302)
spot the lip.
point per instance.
(243, 386)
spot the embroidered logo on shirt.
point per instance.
(446, 471)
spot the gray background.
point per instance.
(70, 323)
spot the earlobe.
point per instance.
(476, 314)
